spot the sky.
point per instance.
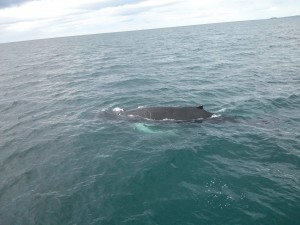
(35, 19)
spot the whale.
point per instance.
(169, 113)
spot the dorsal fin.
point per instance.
(200, 107)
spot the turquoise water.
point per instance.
(64, 160)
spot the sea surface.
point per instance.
(64, 159)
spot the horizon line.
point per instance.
(147, 29)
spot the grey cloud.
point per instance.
(9, 3)
(134, 11)
(109, 3)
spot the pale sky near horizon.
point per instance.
(35, 19)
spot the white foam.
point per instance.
(118, 109)
(215, 115)
(166, 119)
(221, 110)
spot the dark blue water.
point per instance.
(64, 161)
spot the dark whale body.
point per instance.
(169, 113)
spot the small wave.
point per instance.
(216, 115)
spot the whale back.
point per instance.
(170, 113)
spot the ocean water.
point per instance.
(64, 159)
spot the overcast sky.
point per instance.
(34, 19)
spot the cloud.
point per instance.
(10, 3)
(109, 3)
(53, 18)
(140, 7)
